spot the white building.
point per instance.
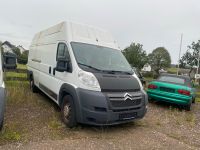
(21, 49)
(7, 47)
(146, 68)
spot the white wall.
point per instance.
(6, 48)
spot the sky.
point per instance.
(152, 23)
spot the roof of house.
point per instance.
(8, 44)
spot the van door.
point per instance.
(63, 69)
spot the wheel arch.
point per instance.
(29, 75)
(67, 89)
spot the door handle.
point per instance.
(49, 70)
(54, 71)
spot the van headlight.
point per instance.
(88, 79)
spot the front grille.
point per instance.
(124, 100)
(165, 89)
(126, 103)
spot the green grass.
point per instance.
(10, 135)
(20, 66)
(172, 70)
(15, 75)
(198, 100)
(55, 123)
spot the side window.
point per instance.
(63, 58)
(62, 53)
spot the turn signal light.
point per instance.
(152, 86)
(184, 92)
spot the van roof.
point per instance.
(75, 32)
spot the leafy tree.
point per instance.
(190, 58)
(16, 51)
(135, 55)
(23, 58)
(159, 59)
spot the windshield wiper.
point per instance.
(107, 71)
(90, 67)
(114, 71)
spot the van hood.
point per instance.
(117, 82)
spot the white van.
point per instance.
(2, 93)
(82, 69)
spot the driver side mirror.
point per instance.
(62, 66)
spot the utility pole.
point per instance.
(180, 52)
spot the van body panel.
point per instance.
(92, 105)
(2, 103)
(114, 82)
(2, 93)
(96, 108)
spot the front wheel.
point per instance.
(68, 111)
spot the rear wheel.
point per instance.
(188, 107)
(68, 111)
(33, 88)
(1, 125)
(193, 100)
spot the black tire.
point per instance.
(1, 125)
(193, 100)
(68, 111)
(188, 107)
(33, 88)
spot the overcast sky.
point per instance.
(152, 23)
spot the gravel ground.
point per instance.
(32, 121)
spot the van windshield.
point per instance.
(100, 58)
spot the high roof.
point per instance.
(70, 31)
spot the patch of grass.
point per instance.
(172, 70)
(182, 117)
(9, 135)
(55, 123)
(141, 123)
(190, 118)
(16, 83)
(197, 100)
(15, 75)
(21, 66)
(148, 79)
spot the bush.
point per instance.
(148, 74)
(23, 58)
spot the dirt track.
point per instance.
(32, 121)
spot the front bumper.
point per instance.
(96, 109)
(169, 97)
(2, 103)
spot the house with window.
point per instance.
(146, 68)
(21, 48)
(7, 47)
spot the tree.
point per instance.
(190, 58)
(16, 51)
(135, 55)
(159, 59)
(23, 58)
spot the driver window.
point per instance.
(63, 53)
